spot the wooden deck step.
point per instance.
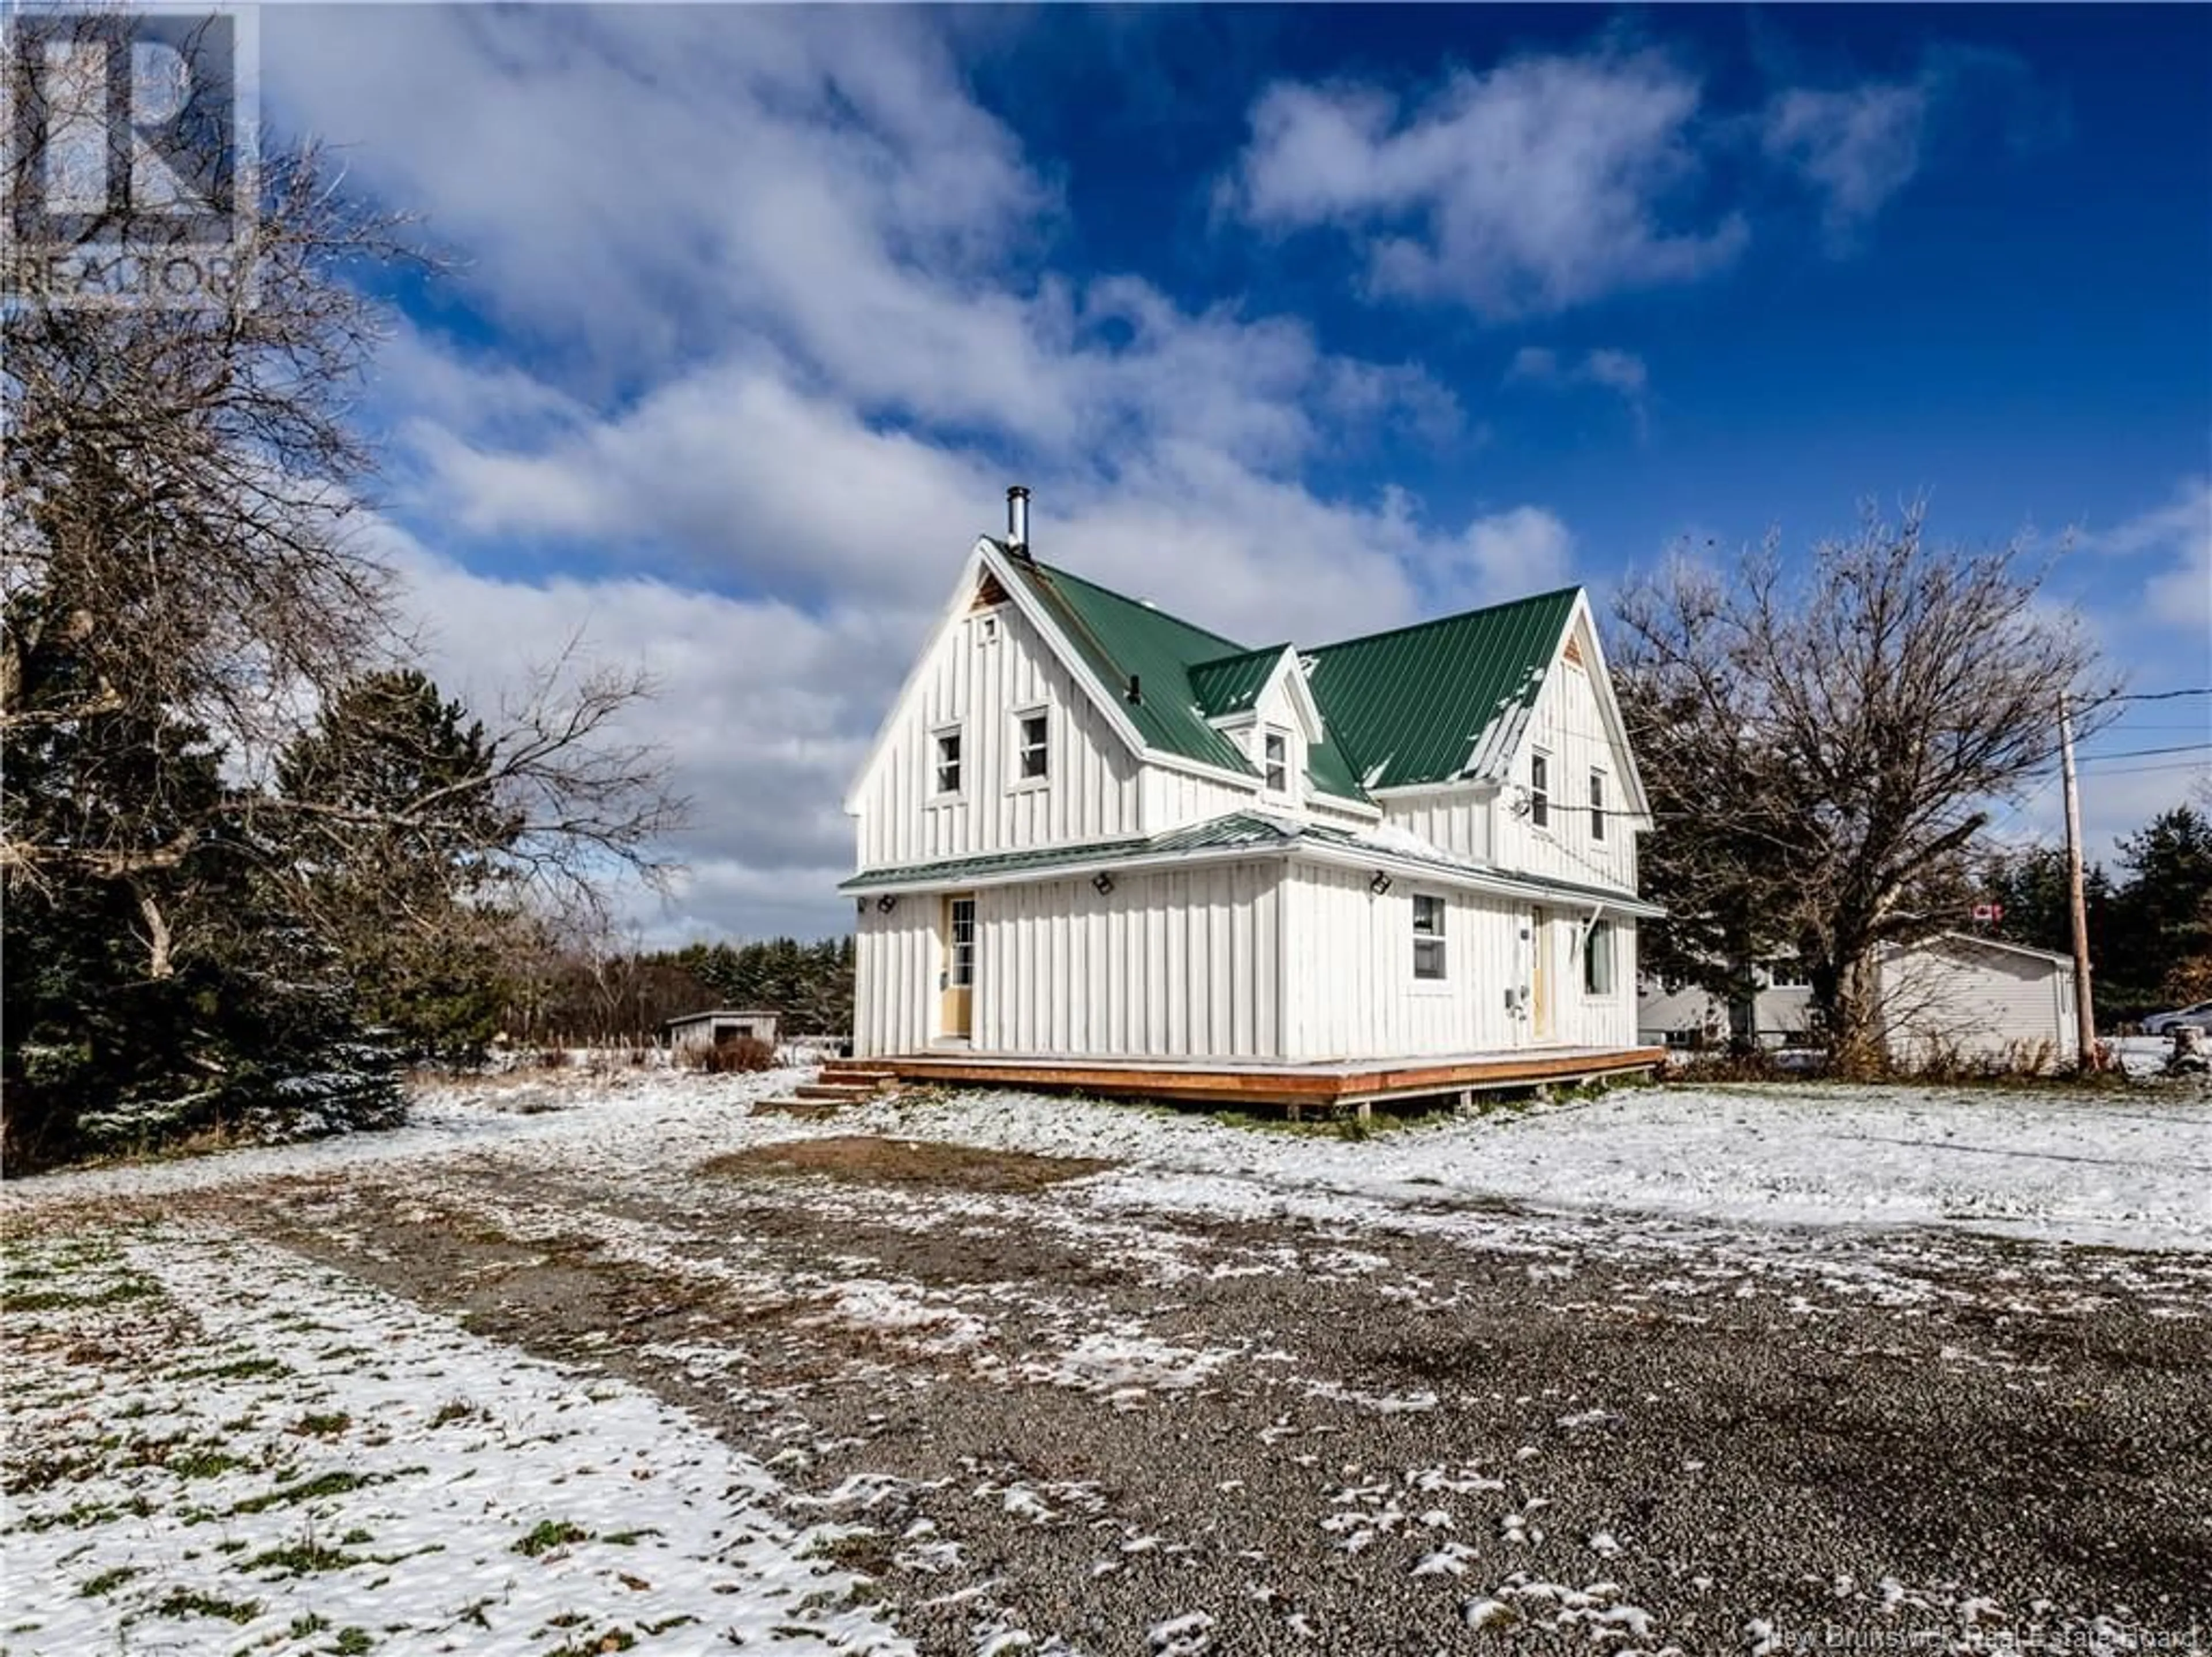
(849, 1091)
(806, 1110)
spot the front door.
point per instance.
(1540, 973)
(956, 975)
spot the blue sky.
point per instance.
(1301, 320)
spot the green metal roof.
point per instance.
(1413, 705)
(1241, 828)
(1410, 706)
(954, 869)
(1232, 685)
(1237, 830)
(1123, 640)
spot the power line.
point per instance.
(2140, 753)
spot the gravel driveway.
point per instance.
(1046, 1417)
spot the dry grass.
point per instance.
(866, 1159)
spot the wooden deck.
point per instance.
(1321, 1086)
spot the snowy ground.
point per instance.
(2126, 1170)
(214, 1445)
(566, 1367)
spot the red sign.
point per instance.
(1989, 914)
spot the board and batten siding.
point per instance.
(1177, 798)
(1567, 727)
(1455, 819)
(894, 967)
(982, 685)
(1178, 964)
(1949, 997)
(1350, 990)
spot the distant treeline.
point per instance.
(574, 998)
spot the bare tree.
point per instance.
(186, 581)
(1824, 742)
(181, 561)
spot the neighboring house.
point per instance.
(1091, 828)
(1952, 997)
(714, 1027)
(1779, 1014)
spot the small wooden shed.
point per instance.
(695, 1031)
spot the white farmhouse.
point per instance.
(1099, 843)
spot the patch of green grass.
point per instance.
(354, 1537)
(550, 1533)
(351, 1642)
(630, 1538)
(666, 1623)
(202, 1461)
(107, 1581)
(190, 1602)
(322, 1426)
(237, 1369)
(453, 1409)
(53, 1300)
(299, 1558)
(312, 1621)
(312, 1489)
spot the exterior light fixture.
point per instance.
(885, 903)
(1380, 884)
(1102, 883)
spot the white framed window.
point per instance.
(1032, 745)
(945, 746)
(1428, 936)
(1597, 805)
(1539, 791)
(1275, 761)
(1597, 959)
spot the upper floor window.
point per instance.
(1597, 959)
(987, 629)
(1597, 805)
(1428, 936)
(1033, 731)
(948, 761)
(1539, 789)
(1275, 758)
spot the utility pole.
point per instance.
(2085, 1015)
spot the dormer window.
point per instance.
(1275, 761)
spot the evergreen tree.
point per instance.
(393, 843)
(2162, 928)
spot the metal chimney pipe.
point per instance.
(1018, 519)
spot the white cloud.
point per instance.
(1525, 549)
(1623, 373)
(2177, 539)
(1856, 146)
(1545, 183)
(770, 326)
